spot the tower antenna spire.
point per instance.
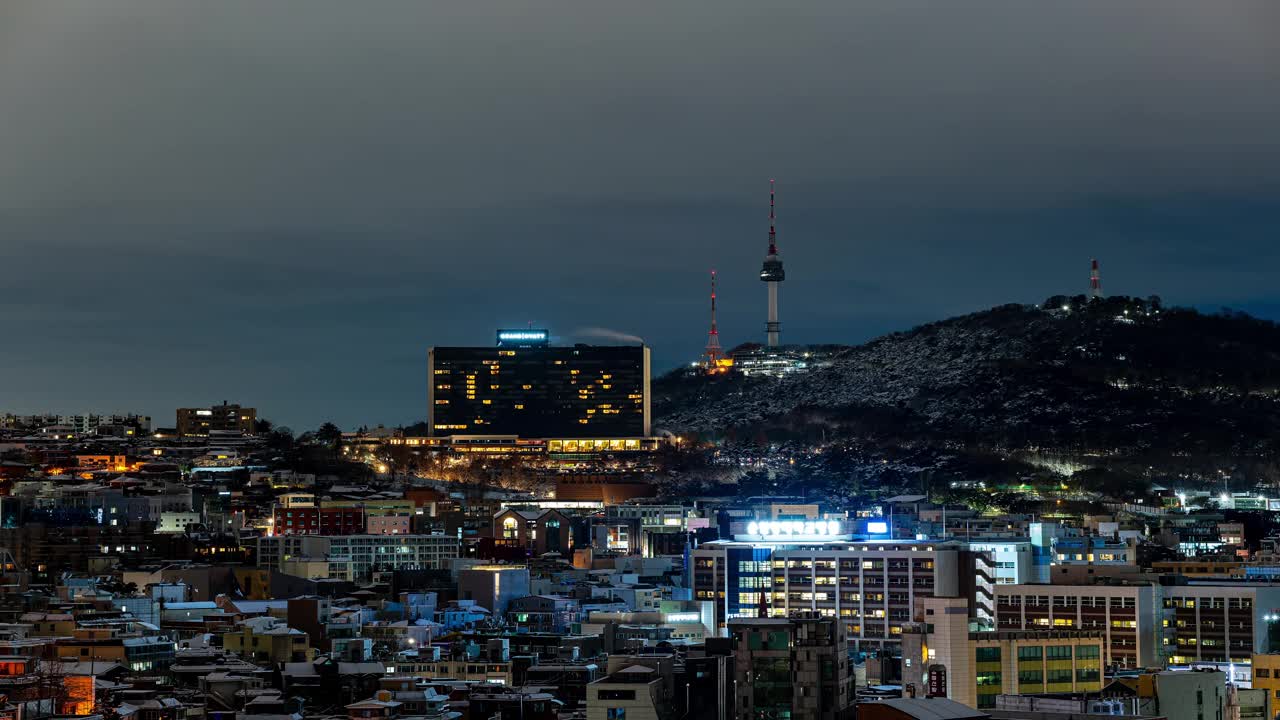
(1095, 281)
(773, 229)
(771, 273)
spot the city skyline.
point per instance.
(287, 209)
(437, 361)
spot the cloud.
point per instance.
(312, 192)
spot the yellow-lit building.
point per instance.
(515, 446)
(310, 568)
(475, 670)
(118, 463)
(942, 657)
(79, 693)
(140, 653)
(267, 639)
(1266, 675)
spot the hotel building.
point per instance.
(527, 388)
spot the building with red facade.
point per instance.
(319, 521)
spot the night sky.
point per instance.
(283, 204)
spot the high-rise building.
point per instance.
(198, 422)
(795, 667)
(871, 587)
(526, 387)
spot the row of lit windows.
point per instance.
(1212, 603)
(1060, 601)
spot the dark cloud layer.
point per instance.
(285, 203)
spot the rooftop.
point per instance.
(931, 708)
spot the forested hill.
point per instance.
(1118, 377)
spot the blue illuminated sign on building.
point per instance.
(523, 337)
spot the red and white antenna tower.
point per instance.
(1095, 281)
(713, 353)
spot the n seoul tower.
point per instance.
(772, 273)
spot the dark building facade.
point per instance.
(198, 422)
(534, 390)
(796, 667)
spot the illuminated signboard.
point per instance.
(523, 337)
(937, 681)
(683, 617)
(795, 529)
(877, 528)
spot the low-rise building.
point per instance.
(493, 587)
(267, 639)
(543, 613)
(1266, 674)
(542, 531)
(1185, 695)
(634, 691)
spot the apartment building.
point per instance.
(356, 557)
